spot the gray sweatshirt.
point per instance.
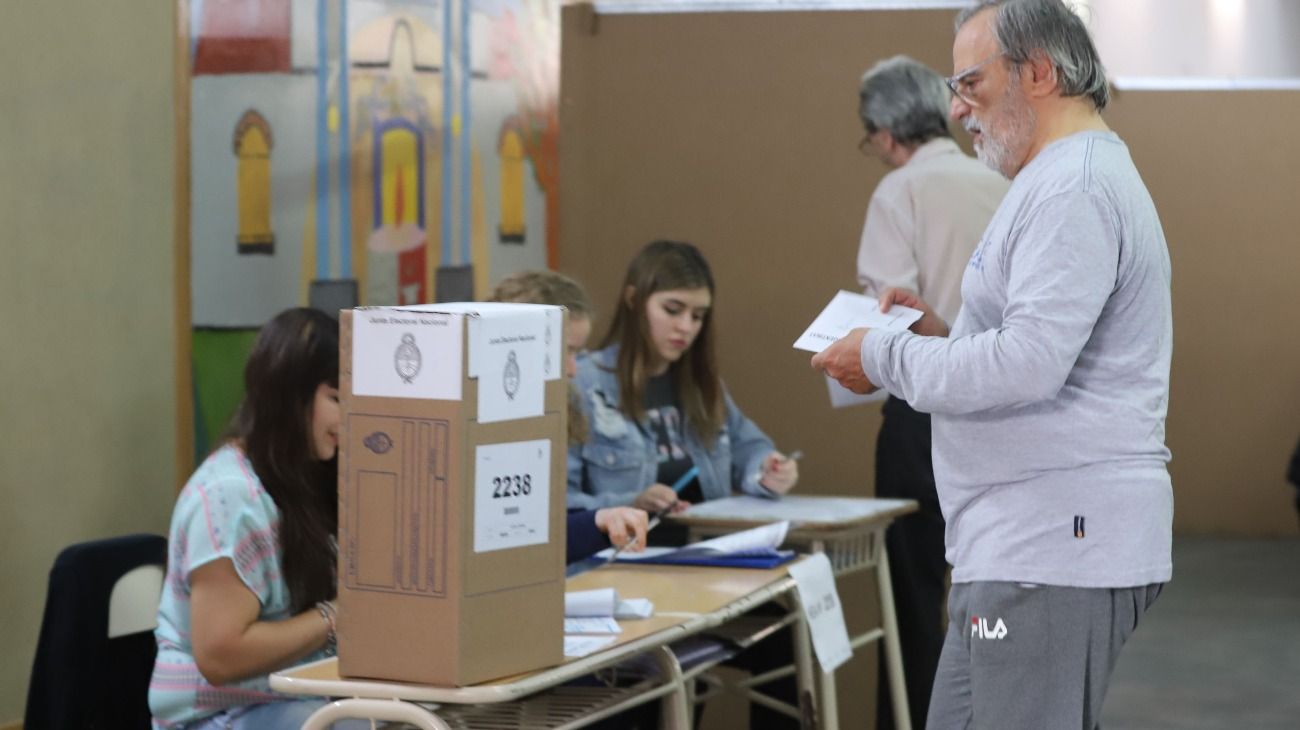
(1049, 396)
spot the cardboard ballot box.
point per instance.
(451, 491)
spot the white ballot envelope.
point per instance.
(848, 311)
(842, 397)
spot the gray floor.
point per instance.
(1220, 649)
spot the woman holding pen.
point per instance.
(662, 431)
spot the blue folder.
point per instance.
(759, 558)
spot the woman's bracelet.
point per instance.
(328, 612)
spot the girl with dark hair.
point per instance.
(655, 404)
(250, 572)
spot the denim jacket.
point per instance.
(618, 460)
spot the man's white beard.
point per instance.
(997, 151)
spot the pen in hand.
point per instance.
(654, 522)
(770, 467)
(677, 487)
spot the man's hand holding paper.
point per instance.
(842, 360)
(848, 311)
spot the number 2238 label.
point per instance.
(512, 495)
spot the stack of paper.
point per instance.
(756, 548)
(605, 603)
(795, 508)
(589, 618)
(580, 645)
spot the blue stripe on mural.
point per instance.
(466, 160)
(345, 150)
(322, 145)
(447, 149)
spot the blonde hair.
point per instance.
(542, 286)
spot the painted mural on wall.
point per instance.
(403, 151)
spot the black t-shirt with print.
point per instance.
(664, 416)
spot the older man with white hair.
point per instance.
(1049, 395)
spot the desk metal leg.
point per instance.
(370, 709)
(675, 709)
(830, 709)
(804, 668)
(893, 652)
(829, 700)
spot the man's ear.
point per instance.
(891, 144)
(1038, 74)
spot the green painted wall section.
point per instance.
(218, 367)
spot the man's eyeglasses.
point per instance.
(960, 83)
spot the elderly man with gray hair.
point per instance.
(922, 224)
(1049, 395)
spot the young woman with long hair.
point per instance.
(252, 549)
(655, 403)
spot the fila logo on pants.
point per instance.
(979, 628)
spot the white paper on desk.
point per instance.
(821, 608)
(580, 645)
(847, 311)
(758, 538)
(650, 552)
(598, 602)
(592, 625)
(793, 507)
(606, 603)
(755, 540)
(629, 608)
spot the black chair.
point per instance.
(91, 672)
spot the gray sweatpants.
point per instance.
(1020, 656)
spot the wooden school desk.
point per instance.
(687, 600)
(851, 531)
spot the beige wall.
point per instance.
(1221, 167)
(86, 411)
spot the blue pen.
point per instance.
(685, 479)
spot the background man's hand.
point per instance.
(929, 325)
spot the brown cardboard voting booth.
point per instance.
(451, 492)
